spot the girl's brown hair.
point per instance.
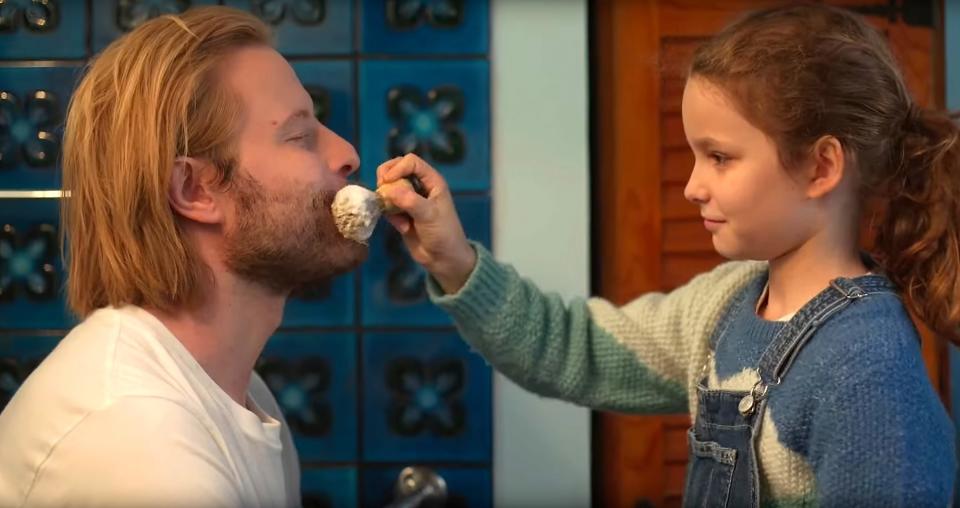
(807, 71)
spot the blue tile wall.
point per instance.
(33, 104)
(371, 377)
(334, 305)
(113, 18)
(306, 27)
(314, 378)
(329, 487)
(440, 110)
(426, 397)
(412, 27)
(53, 29)
(31, 272)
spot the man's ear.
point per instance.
(827, 167)
(192, 192)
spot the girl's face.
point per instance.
(750, 203)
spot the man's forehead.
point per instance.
(266, 83)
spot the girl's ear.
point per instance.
(826, 168)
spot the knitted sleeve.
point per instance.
(637, 358)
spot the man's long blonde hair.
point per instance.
(151, 96)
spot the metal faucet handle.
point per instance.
(419, 487)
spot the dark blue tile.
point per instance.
(19, 355)
(439, 109)
(31, 273)
(329, 487)
(306, 27)
(330, 83)
(403, 27)
(426, 397)
(466, 487)
(33, 103)
(56, 29)
(393, 287)
(314, 379)
(333, 305)
(113, 18)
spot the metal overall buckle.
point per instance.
(748, 404)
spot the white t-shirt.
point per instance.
(121, 414)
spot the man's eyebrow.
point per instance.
(297, 116)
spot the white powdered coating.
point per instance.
(356, 211)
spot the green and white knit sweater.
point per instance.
(648, 356)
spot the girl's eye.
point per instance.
(719, 158)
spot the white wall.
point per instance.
(541, 224)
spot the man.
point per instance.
(199, 189)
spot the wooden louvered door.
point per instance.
(649, 237)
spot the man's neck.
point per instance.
(227, 333)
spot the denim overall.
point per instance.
(723, 455)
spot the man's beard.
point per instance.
(287, 241)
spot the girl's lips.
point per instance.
(712, 225)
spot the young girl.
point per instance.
(802, 371)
